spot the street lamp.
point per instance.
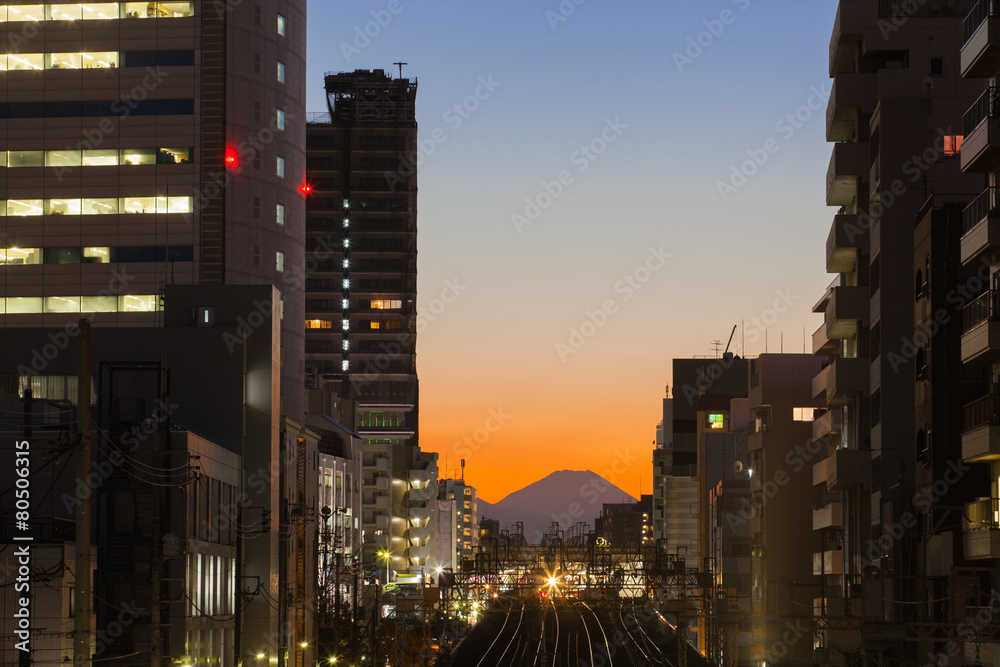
(386, 555)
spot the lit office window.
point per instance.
(281, 72)
(280, 214)
(280, 119)
(279, 261)
(104, 157)
(20, 256)
(281, 25)
(281, 167)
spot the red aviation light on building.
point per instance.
(306, 189)
(232, 159)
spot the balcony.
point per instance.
(421, 514)
(423, 494)
(981, 436)
(383, 483)
(846, 35)
(828, 562)
(420, 476)
(822, 343)
(419, 553)
(848, 308)
(842, 380)
(383, 502)
(846, 236)
(828, 516)
(981, 534)
(843, 469)
(981, 146)
(827, 425)
(981, 50)
(981, 226)
(850, 93)
(981, 329)
(422, 534)
(848, 163)
(383, 522)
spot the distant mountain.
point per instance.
(565, 497)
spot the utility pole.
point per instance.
(238, 566)
(81, 612)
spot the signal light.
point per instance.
(232, 159)
(306, 189)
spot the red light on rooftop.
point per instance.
(306, 189)
(232, 159)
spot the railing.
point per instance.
(984, 107)
(981, 207)
(908, 8)
(982, 411)
(980, 11)
(982, 309)
(319, 118)
(981, 514)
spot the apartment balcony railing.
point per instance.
(983, 514)
(984, 308)
(982, 411)
(981, 534)
(980, 12)
(908, 8)
(980, 208)
(985, 107)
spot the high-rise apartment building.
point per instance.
(362, 242)
(895, 114)
(361, 284)
(980, 346)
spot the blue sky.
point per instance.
(676, 135)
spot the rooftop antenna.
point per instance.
(400, 66)
(716, 345)
(463, 470)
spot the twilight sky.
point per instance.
(575, 187)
